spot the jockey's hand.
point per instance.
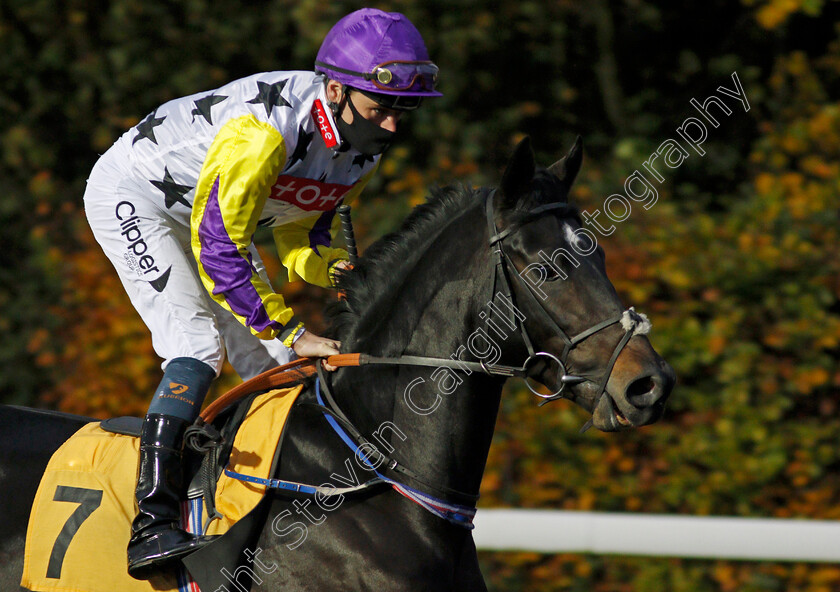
(310, 345)
(340, 267)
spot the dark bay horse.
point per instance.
(476, 286)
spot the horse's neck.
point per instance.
(439, 422)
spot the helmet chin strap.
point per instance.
(336, 108)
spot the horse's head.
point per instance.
(584, 345)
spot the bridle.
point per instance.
(632, 322)
(458, 513)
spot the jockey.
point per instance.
(175, 202)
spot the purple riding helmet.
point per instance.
(382, 55)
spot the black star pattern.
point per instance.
(360, 161)
(204, 105)
(269, 96)
(172, 192)
(146, 128)
(304, 139)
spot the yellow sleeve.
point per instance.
(241, 165)
(305, 247)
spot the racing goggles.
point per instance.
(403, 75)
(397, 75)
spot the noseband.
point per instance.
(632, 322)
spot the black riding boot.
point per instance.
(157, 542)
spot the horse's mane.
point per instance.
(386, 261)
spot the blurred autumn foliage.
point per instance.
(736, 263)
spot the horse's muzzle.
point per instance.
(637, 401)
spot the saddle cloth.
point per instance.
(80, 522)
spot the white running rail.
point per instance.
(657, 535)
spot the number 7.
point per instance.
(90, 499)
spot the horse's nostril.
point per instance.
(642, 392)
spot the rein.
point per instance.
(292, 373)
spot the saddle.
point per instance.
(80, 522)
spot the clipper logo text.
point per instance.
(136, 256)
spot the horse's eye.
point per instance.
(551, 273)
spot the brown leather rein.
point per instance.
(286, 375)
(294, 372)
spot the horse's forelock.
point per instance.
(547, 188)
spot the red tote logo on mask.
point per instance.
(308, 194)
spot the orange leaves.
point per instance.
(817, 166)
(807, 380)
(102, 353)
(775, 12)
(727, 576)
(765, 183)
(720, 334)
(411, 183)
(824, 127)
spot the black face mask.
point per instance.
(363, 135)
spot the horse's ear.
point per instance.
(518, 175)
(566, 169)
